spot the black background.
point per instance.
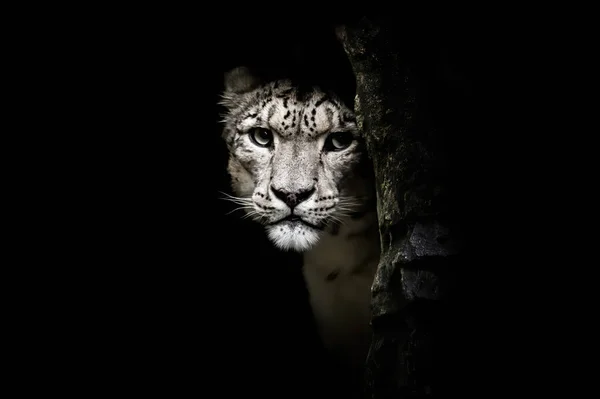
(178, 295)
(188, 297)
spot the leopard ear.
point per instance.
(240, 80)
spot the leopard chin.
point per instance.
(293, 236)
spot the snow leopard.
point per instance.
(299, 167)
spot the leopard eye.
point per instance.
(338, 141)
(261, 137)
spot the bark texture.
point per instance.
(419, 228)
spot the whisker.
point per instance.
(253, 215)
(350, 202)
(244, 203)
(347, 208)
(233, 197)
(238, 208)
(353, 197)
(336, 219)
(237, 200)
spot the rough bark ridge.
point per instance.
(419, 234)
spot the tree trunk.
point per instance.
(420, 234)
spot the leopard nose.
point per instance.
(292, 199)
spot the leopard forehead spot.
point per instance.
(290, 111)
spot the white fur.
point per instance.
(290, 237)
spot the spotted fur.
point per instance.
(311, 197)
